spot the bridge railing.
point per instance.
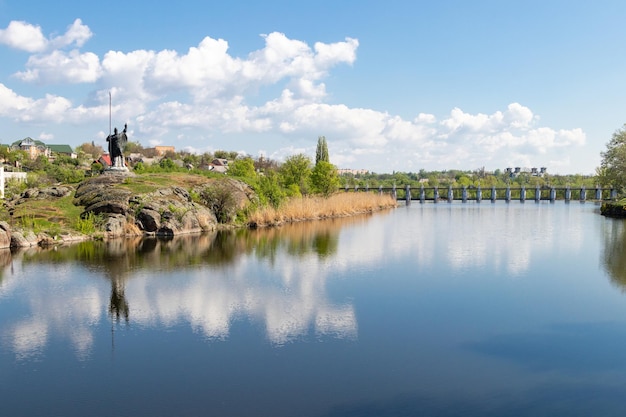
(478, 194)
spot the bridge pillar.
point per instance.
(507, 194)
(522, 194)
(394, 192)
(380, 190)
(450, 194)
(583, 194)
(422, 194)
(464, 195)
(613, 194)
(598, 194)
(537, 194)
(494, 197)
(552, 195)
(568, 194)
(479, 194)
(436, 195)
(408, 195)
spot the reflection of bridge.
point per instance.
(493, 194)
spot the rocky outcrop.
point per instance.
(167, 211)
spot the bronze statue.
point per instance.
(117, 143)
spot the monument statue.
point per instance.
(117, 143)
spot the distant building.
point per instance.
(219, 165)
(35, 148)
(348, 171)
(535, 172)
(162, 150)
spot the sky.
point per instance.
(392, 86)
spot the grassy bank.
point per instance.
(314, 208)
(614, 208)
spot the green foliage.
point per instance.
(40, 225)
(89, 224)
(65, 174)
(242, 168)
(133, 147)
(220, 199)
(321, 153)
(295, 173)
(167, 165)
(324, 178)
(270, 190)
(226, 155)
(612, 170)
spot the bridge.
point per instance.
(493, 194)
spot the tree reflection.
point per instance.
(614, 255)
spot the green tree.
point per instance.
(242, 167)
(321, 153)
(270, 190)
(324, 178)
(295, 173)
(612, 170)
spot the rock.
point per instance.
(21, 239)
(115, 226)
(5, 235)
(148, 220)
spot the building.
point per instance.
(347, 171)
(162, 150)
(219, 165)
(35, 148)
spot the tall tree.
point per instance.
(321, 153)
(612, 170)
(295, 172)
(324, 178)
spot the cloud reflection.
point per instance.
(207, 282)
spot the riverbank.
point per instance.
(117, 206)
(316, 208)
(614, 208)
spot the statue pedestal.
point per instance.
(118, 171)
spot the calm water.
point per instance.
(428, 310)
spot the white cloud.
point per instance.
(62, 67)
(76, 35)
(23, 36)
(277, 91)
(26, 37)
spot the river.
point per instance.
(480, 309)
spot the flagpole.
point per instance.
(109, 113)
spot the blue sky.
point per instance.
(393, 86)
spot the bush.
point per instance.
(219, 198)
(270, 191)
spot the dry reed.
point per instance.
(314, 208)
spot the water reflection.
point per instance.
(207, 281)
(614, 253)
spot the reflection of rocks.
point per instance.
(208, 281)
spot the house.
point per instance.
(65, 150)
(219, 165)
(162, 150)
(105, 160)
(35, 148)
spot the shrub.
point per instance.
(219, 198)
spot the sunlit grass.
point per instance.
(312, 208)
